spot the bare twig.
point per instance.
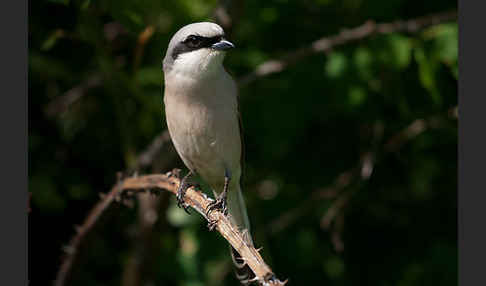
(61, 104)
(71, 250)
(147, 157)
(361, 171)
(143, 38)
(342, 181)
(417, 127)
(333, 211)
(325, 44)
(228, 14)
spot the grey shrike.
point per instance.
(201, 107)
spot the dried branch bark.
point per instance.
(196, 199)
(325, 44)
(200, 202)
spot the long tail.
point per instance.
(239, 216)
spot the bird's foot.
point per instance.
(219, 204)
(212, 224)
(181, 192)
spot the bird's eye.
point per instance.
(193, 41)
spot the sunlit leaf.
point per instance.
(396, 52)
(427, 74)
(336, 64)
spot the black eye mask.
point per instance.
(194, 42)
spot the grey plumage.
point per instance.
(202, 114)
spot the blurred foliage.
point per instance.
(95, 102)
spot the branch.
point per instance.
(137, 270)
(417, 127)
(61, 104)
(147, 157)
(325, 44)
(142, 40)
(360, 172)
(228, 14)
(200, 202)
(196, 199)
(71, 250)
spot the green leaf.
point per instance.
(51, 40)
(427, 74)
(401, 48)
(445, 44)
(356, 95)
(445, 39)
(336, 64)
(198, 9)
(363, 60)
(396, 51)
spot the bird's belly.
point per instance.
(206, 143)
(200, 153)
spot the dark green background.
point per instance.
(307, 130)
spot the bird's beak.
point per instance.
(223, 45)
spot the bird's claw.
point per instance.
(219, 204)
(181, 190)
(180, 198)
(212, 224)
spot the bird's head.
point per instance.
(196, 50)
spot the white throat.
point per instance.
(198, 64)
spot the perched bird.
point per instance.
(201, 107)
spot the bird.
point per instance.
(204, 122)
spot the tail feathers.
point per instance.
(239, 216)
(242, 271)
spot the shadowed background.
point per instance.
(351, 153)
